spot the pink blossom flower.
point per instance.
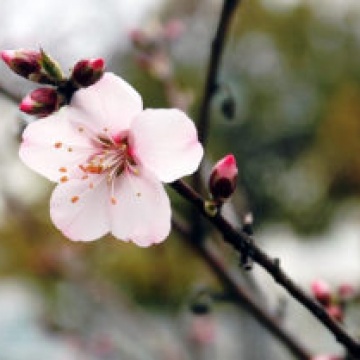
(109, 157)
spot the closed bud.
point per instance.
(222, 183)
(139, 38)
(87, 72)
(41, 102)
(25, 63)
(321, 291)
(346, 292)
(174, 29)
(335, 312)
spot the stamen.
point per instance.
(74, 199)
(111, 158)
(64, 179)
(63, 169)
(58, 145)
(113, 201)
(70, 149)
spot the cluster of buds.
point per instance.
(333, 301)
(152, 47)
(39, 67)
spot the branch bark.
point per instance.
(242, 296)
(246, 245)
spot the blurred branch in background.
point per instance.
(238, 293)
(245, 244)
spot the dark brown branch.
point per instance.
(217, 48)
(244, 243)
(210, 86)
(211, 257)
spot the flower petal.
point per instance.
(141, 210)
(165, 141)
(80, 210)
(111, 103)
(53, 146)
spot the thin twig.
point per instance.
(246, 244)
(217, 48)
(211, 257)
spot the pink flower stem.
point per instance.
(244, 243)
(241, 295)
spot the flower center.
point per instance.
(112, 157)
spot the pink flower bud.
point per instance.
(325, 357)
(335, 312)
(40, 102)
(321, 291)
(346, 291)
(88, 72)
(174, 29)
(138, 38)
(223, 178)
(25, 63)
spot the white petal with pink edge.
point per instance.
(111, 104)
(141, 211)
(80, 208)
(166, 142)
(53, 146)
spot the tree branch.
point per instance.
(245, 244)
(217, 48)
(210, 256)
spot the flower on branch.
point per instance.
(223, 178)
(321, 291)
(87, 72)
(109, 157)
(23, 62)
(34, 65)
(41, 102)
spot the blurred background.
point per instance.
(288, 107)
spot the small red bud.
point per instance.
(25, 63)
(321, 291)
(335, 312)
(222, 183)
(88, 72)
(174, 29)
(346, 291)
(40, 102)
(138, 38)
